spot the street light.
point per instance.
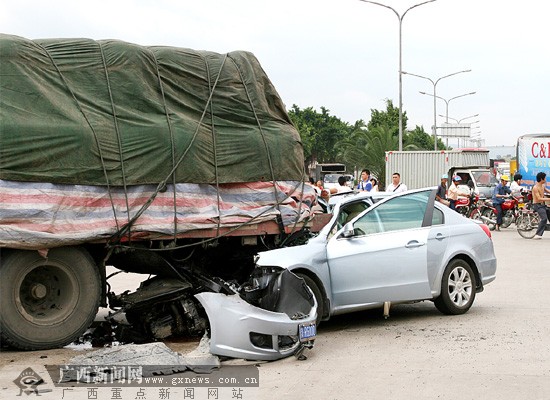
(447, 106)
(458, 121)
(400, 18)
(447, 101)
(434, 83)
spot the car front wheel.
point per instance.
(317, 293)
(458, 288)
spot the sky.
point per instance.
(344, 54)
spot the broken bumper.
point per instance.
(239, 329)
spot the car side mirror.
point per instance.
(349, 230)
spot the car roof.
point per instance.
(338, 200)
(348, 197)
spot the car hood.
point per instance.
(310, 253)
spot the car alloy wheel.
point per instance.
(458, 288)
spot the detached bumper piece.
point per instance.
(272, 318)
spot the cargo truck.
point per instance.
(164, 161)
(420, 169)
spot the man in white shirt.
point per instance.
(396, 186)
(342, 187)
(515, 186)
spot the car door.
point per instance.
(386, 258)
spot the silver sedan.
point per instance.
(405, 248)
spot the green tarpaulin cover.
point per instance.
(107, 112)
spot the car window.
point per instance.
(403, 212)
(349, 212)
(437, 217)
(331, 178)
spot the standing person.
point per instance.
(364, 184)
(396, 186)
(319, 184)
(312, 183)
(441, 194)
(515, 186)
(539, 203)
(500, 192)
(374, 184)
(342, 186)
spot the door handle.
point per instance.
(414, 243)
(440, 236)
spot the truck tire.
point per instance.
(47, 302)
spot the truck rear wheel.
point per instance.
(47, 302)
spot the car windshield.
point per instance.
(484, 178)
(331, 178)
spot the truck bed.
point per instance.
(45, 215)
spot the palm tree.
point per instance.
(367, 149)
(381, 139)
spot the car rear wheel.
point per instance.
(458, 288)
(47, 301)
(317, 293)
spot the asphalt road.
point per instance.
(500, 349)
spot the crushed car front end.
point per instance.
(271, 317)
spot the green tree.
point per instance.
(326, 138)
(321, 133)
(388, 118)
(352, 148)
(367, 149)
(418, 139)
(381, 139)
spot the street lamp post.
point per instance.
(400, 18)
(458, 121)
(434, 83)
(449, 100)
(446, 103)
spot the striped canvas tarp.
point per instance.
(45, 215)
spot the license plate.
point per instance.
(307, 332)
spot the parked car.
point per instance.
(407, 247)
